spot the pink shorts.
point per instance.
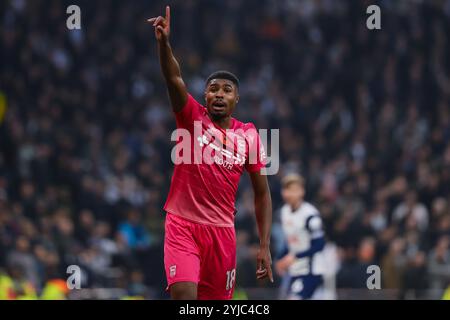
(202, 254)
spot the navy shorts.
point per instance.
(303, 287)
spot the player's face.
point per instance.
(221, 97)
(293, 193)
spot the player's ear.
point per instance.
(237, 98)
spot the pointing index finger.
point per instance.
(168, 15)
(270, 274)
(268, 269)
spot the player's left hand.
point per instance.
(264, 264)
(162, 25)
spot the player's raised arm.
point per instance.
(263, 211)
(169, 65)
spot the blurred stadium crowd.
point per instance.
(85, 130)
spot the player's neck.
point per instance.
(224, 123)
(296, 205)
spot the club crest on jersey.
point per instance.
(173, 270)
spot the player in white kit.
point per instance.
(302, 261)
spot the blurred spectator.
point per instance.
(393, 264)
(439, 264)
(85, 227)
(55, 289)
(136, 287)
(15, 286)
(133, 231)
(22, 258)
(353, 271)
(411, 209)
(415, 277)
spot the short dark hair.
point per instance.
(223, 75)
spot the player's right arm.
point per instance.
(317, 243)
(169, 65)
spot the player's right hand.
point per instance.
(284, 263)
(162, 25)
(280, 269)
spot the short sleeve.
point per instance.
(314, 226)
(189, 113)
(256, 159)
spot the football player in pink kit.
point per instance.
(200, 243)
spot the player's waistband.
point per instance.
(190, 220)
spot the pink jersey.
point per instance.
(204, 189)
